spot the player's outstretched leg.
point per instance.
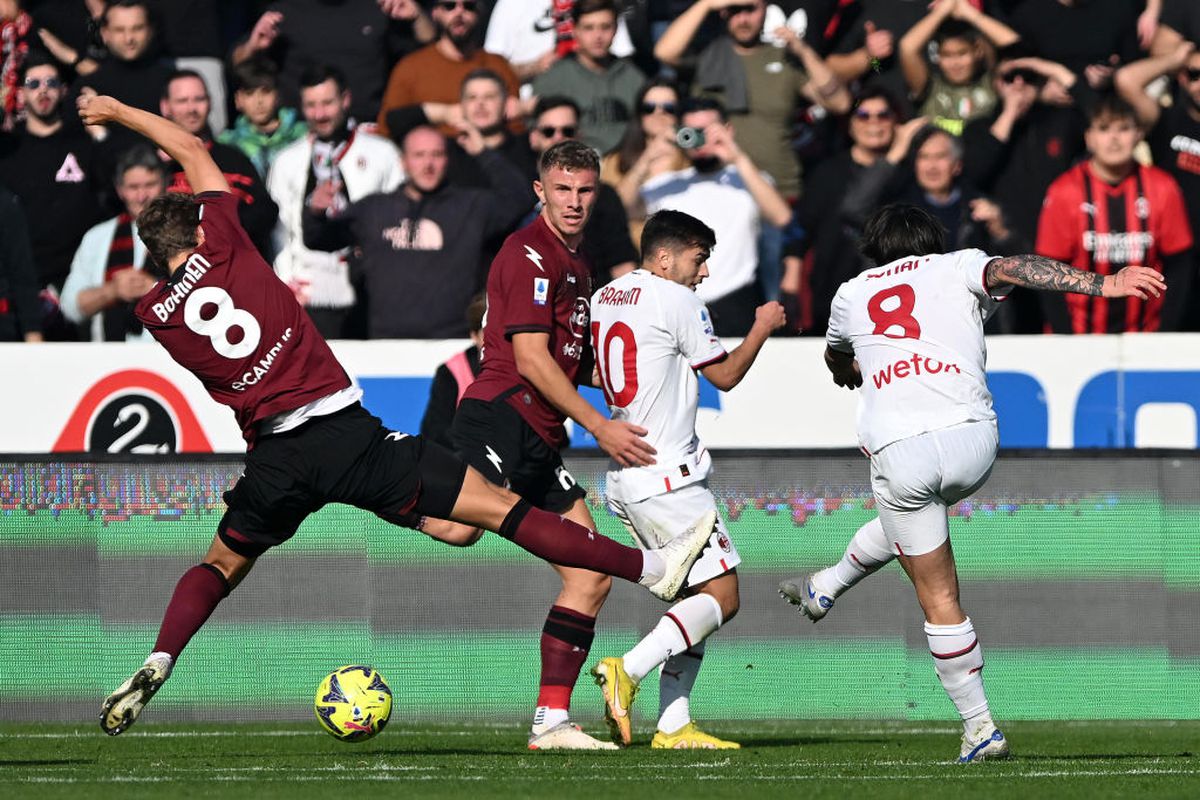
(676, 643)
(196, 595)
(867, 552)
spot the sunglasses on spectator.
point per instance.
(1193, 75)
(548, 131)
(649, 108)
(1029, 76)
(864, 114)
(35, 83)
(465, 5)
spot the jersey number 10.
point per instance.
(629, 382)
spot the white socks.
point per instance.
(675, 681)
(958, 659)
(687, 624)
(868, 551)
(545, 718)
(653, 568)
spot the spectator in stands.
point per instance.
(724, 188)
(1110, 212)
(52, 167)
(16, 31)
(185, 102)
(1014, 154)
(482, 105)
(132, 70)
(452, 378)
(533, 34)
(109, 273)
(262, 128)
(421, 244)
(760, 84)
(843, 192)
(606, 243)
(363, 37)
(602, 85)
(434, 74)
(20, 314)
(1180, 22)
(970, 219)
(190, 31)
(1088, 38)
(958, 87)
(1174, 132)
(866, 52)
(70, 31)
(354, 164)
(646, 150)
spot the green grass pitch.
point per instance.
(810, 760)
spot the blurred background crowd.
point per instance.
(383, 149)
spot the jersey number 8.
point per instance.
(899, 315)
(216, 328)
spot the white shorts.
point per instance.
(657, 520)
(915, 479)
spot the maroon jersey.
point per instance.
(1098, 227)
(536, 285)
(228, 320)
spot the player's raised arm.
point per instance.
(202, 172)
(1039, 272)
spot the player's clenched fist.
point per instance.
(97, 109)
(770, 316)
(1134, 282)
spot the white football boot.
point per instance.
(567, 736)
(123, 706)
(985, 744)
(679, 555)
(812, 599)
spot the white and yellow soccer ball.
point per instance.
(353, 703)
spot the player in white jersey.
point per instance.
(910, 333)
(651, 335)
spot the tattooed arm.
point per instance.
(1039, 272)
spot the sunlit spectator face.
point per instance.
(483, 103)
(1111, 140)
(594, 34)
(260, 104)
(456, 18)
(42, 92)
(1189, 78)
(127, 32)
(745, 22)
(424, 158)
(186, 104)
(553, 126)
(872, 124)
(956, 60)
(936, 164)
(567, 197)
(325, 108)
(659, 111)
(138, 186)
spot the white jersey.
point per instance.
(916, 328)
(650, 336)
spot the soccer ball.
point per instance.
(353, 703)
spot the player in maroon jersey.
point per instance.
(221, 313)
(509, 425)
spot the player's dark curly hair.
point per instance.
(900, 230)
(168, 227)
(571, 155)
(675, 231)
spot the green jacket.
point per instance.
(261, 147)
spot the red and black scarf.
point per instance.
(119, 320)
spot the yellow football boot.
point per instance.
(689, 737)
(618, 690)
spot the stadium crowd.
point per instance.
(383, 149)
